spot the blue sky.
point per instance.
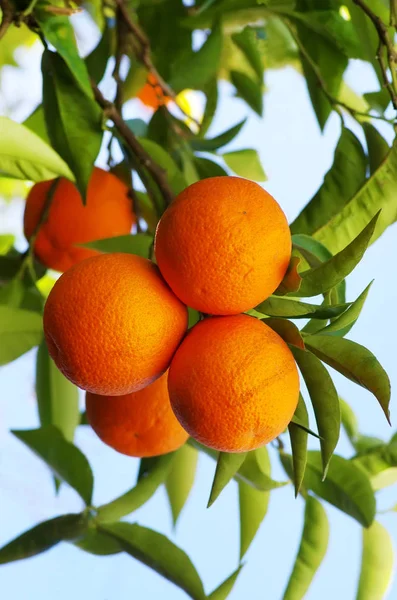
(295, 156)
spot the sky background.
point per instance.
(295, 156)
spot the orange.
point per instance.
(223, 245)
(138, 424)
(108, 213)
(152, 95)
(112, 324)
(233, 383)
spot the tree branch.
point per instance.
(8, 16)
(158, 174)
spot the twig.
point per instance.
(8, 16)
(135, 207)
(145, 160)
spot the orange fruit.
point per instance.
(233, 383)
(152, 95)
(138, 424)
(107, 213)
(112, 324)
(223, 245)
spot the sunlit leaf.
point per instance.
(349, 420)
(180, 479)
(224, 589)
(346, 320)
(298, 437)
(20, 330)
(378, 148)
(288, 308)
(245, 163)
(227, 466)
(377, 563)
(139, 244)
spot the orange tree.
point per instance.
(144, 50)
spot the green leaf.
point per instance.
(249, 90)
(139, 243)
(378, 148)
(287, 331)
(64, 459)
(211, 93)
(319, 280)
(159, 553)
(6, 242)
(138, 126)
(349, 420)
(98, 543)
(209, 145)
(343, 180)
(354, 362)
(180, 479)
(73, 119)
(379, 461)
(224, 589)
(298, 437)
(12, 293)
(347, 487)
(379, 192)
(292, 279)
(245, 163)
(164, 160)
(24, 155)
(288, 308)
(227, 466)
(312, 550)
(138, 495)
(253, 503)
(97, 60)
(247, 41)
(346, 320)
(325, 401)
(36, 123)
(58, 30)
(20, 331)
(42, 537)
(208, 168)
(57, 397)
(195, 69)
(377, 563)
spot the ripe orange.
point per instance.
(138, 424)
(152, 95)
(112, 324)
(233, 383)
(107, 213)
(223, 245)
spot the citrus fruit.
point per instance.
(137, 424)
(107, 213)
(223, 245)
(112, 324)
(233, 383)
(152, 95)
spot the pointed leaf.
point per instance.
(288, 308)
(208, 168)
(227, 466)
(64, 459)
(347, 487)
(98, 543)
(36, 123)
(349, 420)
(343, 180)
(286, 330)
(44, 536)
(312, 550)
(292, 279)
(346, 320)
(211, 92)
(377, 563)
(97, 60)
(378, 148)
(354, 362)
(20, 330)
(139, 244)
(180, 479)
(325, 401)
(24, 155)
(224, 138)
(248, 43)
(245, 163)
(319, 280)
(298, 439)
(138, 495)
(159, 553)
(164, 160)
(224, 589)
(249, 90)
(253, 503)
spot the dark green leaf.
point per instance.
(164, 160)
(227, 466)
(343, 180)
(100, 544)
(253, 503)
(138, 495)
(312, 550)
(180, 479)
(12, 293)
(245, 163)
(319, 280)
(97, 60)
(159, 553)
(379, 100)
(65, 460)
(247, 41)
(224, 589)
(378, 148)
(249, 90)
(44, 536)
(298, 437)
(292, 279)
(354, 362)
(139, 244)
(20, 331)
(224, 138)
(292, 309)
(325, 401)
(73, 119)
(343, 324)
(211, 92)
(208, 168)
(286, 330)
(347, 487)
(377, 563)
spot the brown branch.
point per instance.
(8, 16)
(158, 174)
